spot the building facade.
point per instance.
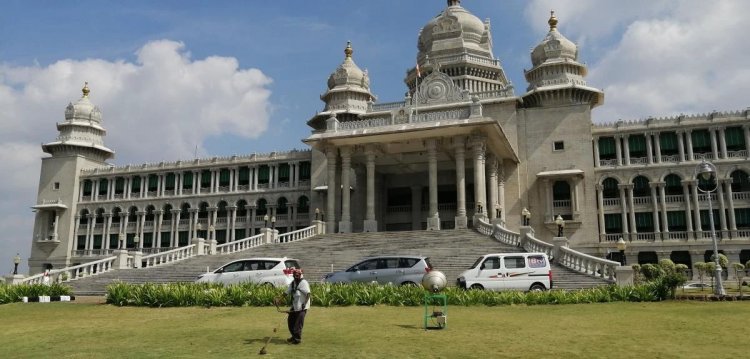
(461, 145)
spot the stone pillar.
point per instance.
(175, 235)
(657, 143)
(686, 199)
(600, 210)
(626, 143)
(121, 259)
(370, 224)
(696, 204)
(624, 275)
(460, 152)
(722, 209)
(714, 145)
(433, 217)
(631, 207)
(723, 142)
(232, 225)
(746, 129)
(596, 152)
(680, 145)
(157, 229)
(623, 210)
(663, 201)
(492, 204)
(200, 246)
(478, 146)
(655, 210)
(331, 195)
(730, 200)
(345, 225)
(649, 148)
(689, 138)
(618, 149)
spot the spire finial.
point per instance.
(552, 20)
(85, 89)
(454, 2)
(348, 50)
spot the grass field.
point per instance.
(673, 329)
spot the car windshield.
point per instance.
(479, 260)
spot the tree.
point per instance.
(701, 269)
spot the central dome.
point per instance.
(453, 28)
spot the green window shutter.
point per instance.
(676, 220)
(701, 140)
(87, 187)
(644, 222)
(742, 217)
(187, 180)
(637, 145)
(103, 186)
(244, 175)
(135, 184)
(153, 182)
(119, 185)
(263, 174)
(224, 177)
(284, 171)
(735, 139)
(612, 223)
(705, 220)
(205, 178)
(610, 189)
(170, 179)
(668, 143)
(304, 170)
(607, 149)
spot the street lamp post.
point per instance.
(273, 222)
(16, 262)
(621, 245)
(265, 221)
(198, 230)
(560, 225)
(122, 238)
(526, 216)
(211, 232)
(323, 216)
(707, 171)
(136, 239)
(317, 213)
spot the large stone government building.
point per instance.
(462, 144)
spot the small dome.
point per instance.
(348, 73)
(554, 46)
(83, 109)
(454, 19)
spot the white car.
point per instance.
(508, 271)
(399, 270)
(696, 286)
(270, 271)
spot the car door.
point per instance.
(230, 273)
(388, 271)
(266, 273)
(366, 271)
(489, 274)
(515, 275)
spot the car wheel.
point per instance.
(409, 284)
(536, 287)
(268, 284)
(477, 286)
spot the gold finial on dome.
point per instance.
(85, 89)
(552, 20)
(348, 50)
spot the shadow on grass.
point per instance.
(409, 326)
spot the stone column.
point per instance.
(254, 184)
(157, 229)
(232, 225)
(139, 226)
(689, 137)
(730, 200)
(433, 217)
(174, 237)
(657, 143)
(193, 222)
(105, 231)
(492, 204)
(723, 142)
(649, 148)
(370, 224)
(331, 195)
(680, 145)
(479, 183)
(722, 208)
(623, 210)
(618, 149)
(697, 212)
(663, 200)
(57, 222)
(714, 145)
(746, 128)
(686, 198)
(416, 207)
(549, 200)
(631, 207)
(460, 152)
(655, 209)
(345, 225)
(91, 220)
(600, 210)
(626, 143)
(95, 189)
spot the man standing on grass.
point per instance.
(299, 293)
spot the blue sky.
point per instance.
(234, 77)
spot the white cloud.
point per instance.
(670, 58)
(158, 108)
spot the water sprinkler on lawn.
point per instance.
(434, 282)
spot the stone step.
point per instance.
(450, 251)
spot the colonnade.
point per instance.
(488, 183)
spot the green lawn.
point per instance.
(673, 329)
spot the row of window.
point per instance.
(673, 185)
(669, 143)
(203, 178)
(676, 221)
(303, 206)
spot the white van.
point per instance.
(508, 271)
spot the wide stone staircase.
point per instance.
(450, 251)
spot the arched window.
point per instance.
(640, 187)
(609, 188)
(99, 216)
(673, 185)
(221, 211)
(203, 210)
(281, 206)
(167, 212)
(185, 211)
(560, 191)
(303, 205)
(84, 217)
(116, 214)
(132, 214)
(262, 207)
(149, 213)
(740, 181)
(242, 208)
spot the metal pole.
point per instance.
(718, 287)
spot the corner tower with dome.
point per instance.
(461, 146)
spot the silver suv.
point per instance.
(400, 270)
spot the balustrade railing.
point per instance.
(641, 200)
(169, 256)
(297, 235)
(240, 245)
(675, 235)
(608, 163)
(650, 237)
(507, 236)
(561, 203)
(74, 272)
(738, 196)
(639, 161)
(590, 265)
(737, 154)
(611, 202)
(670, 158)
(675, 198)
(398, 209)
